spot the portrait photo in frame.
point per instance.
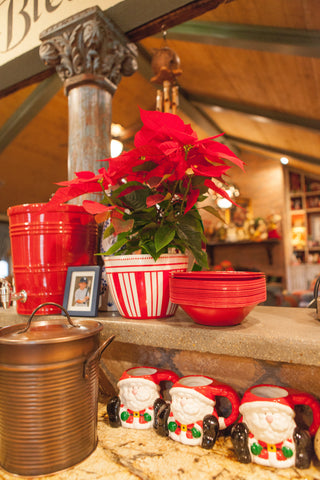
(81, 294)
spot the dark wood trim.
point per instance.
(40, 96)
(275, 150)
(288, 41)
(39, 77)
(171, 19)
(253, 110)
(25, 70)
(128, 15)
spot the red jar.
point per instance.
(44, 243)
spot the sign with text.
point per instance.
(22, 21)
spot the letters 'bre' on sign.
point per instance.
(22, 21)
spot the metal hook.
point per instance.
(164, 32)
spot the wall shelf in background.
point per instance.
(267, 244)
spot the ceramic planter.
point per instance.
(140, 286)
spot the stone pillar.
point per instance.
(90, 55)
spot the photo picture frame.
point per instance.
(81, 294)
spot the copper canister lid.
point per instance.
(48, 341)
(49, 330)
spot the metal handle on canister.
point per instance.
(96, 355)
(24, 330)
(315, 302)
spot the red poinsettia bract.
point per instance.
(149, 194)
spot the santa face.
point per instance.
(271, 424)
(138, 394)
(188, 408)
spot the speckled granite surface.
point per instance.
(268, 333)
(272, 344)
(124, 454)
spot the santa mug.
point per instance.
(267, 433)
(192, 418)
(139, 397)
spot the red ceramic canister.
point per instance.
(44, 243)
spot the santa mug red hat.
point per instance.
(147, 374)
(207, 389)
(264, 395)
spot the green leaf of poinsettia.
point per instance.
(136, 200)
(108, 231)
(148, 247)
(146, 166)
(213, 211)
(116, 246)
(190, 231)
(149, 226)
(201, 258)
(164, 235)
(131, 247)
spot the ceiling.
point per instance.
(251, 69)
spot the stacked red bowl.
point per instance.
(218, 298)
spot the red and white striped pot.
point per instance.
(140, 286)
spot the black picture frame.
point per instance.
(76, 291)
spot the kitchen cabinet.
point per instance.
(303, 200)
(304, 196)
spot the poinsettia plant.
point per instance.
(152, 194)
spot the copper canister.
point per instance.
(48, 393)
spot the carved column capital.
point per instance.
(88, 47)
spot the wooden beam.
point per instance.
(254, 111)
(136, 18)
(40, 96)
(237, 141)
(49, 87)
(288, 41)
(174, 17)
(268, 148)
(22, 72)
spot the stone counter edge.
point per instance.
(290, 335)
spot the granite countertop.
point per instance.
(279, 334)
(125, 454)
(267, 333)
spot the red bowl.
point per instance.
(216, 293)
(217, 317)
(223, 303)
(211, 300)
(208, 300)
(225, 276)
(214, 284)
